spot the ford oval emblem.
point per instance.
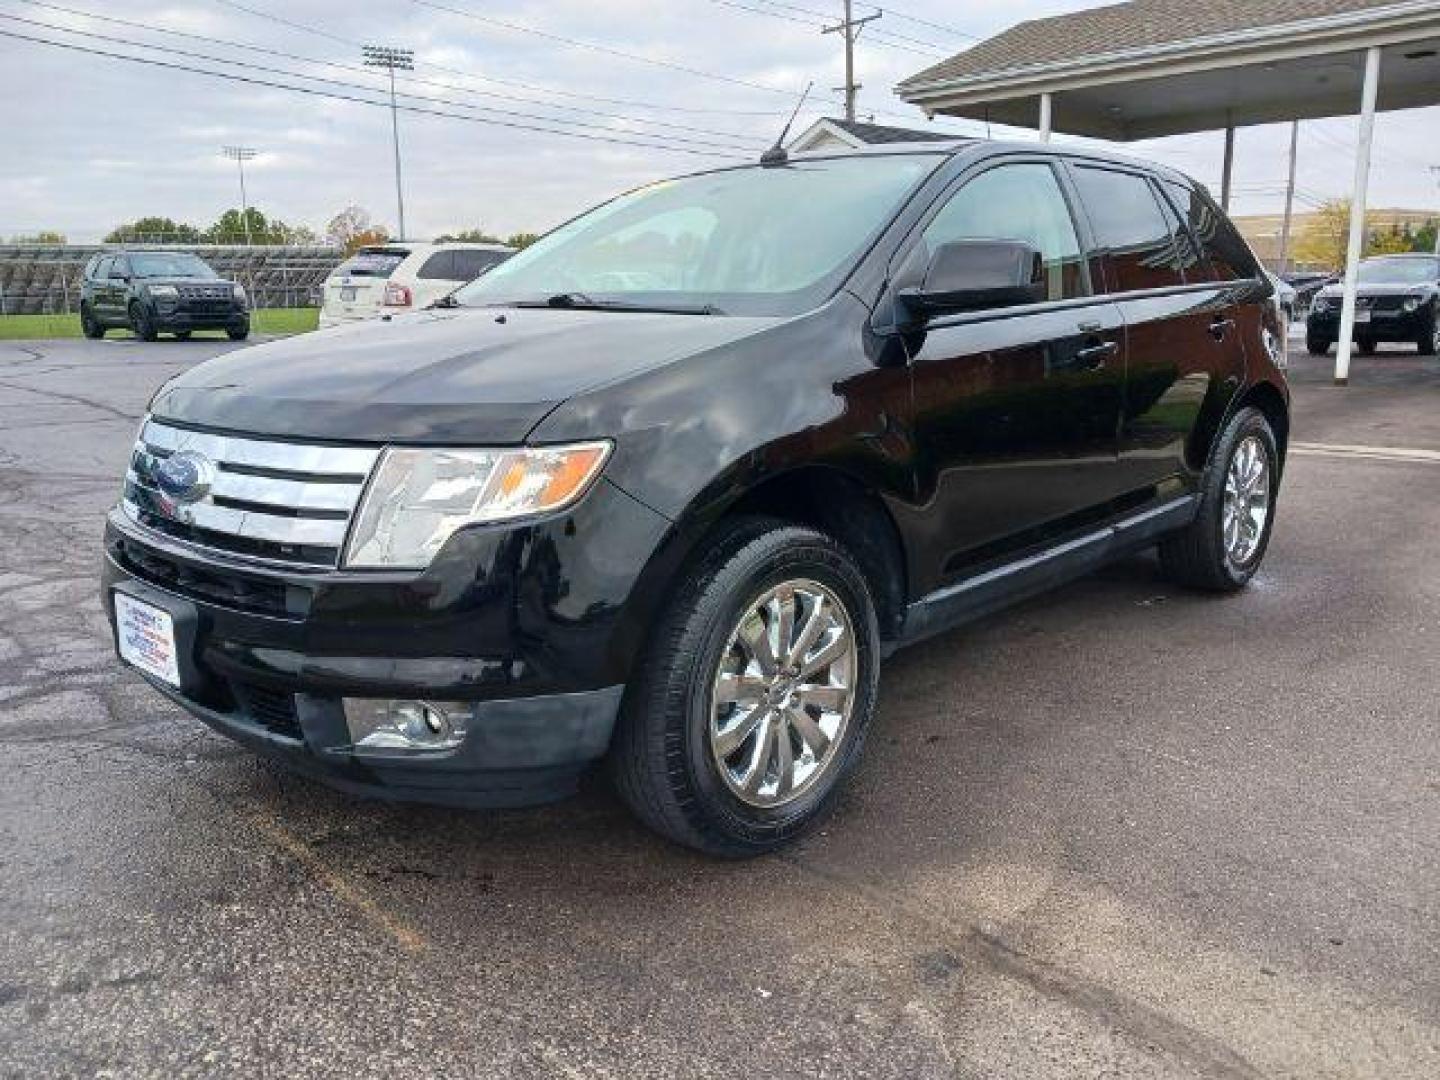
(185, 477)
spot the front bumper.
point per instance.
(180, 317)
(526, 622)
(1383, 325)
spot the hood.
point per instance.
(1336, 292)
(476, 376)
(220, 282)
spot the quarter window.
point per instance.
(471, 264)
(1016, 202)
(439, 266)
(1229, 256)
(1130, 230)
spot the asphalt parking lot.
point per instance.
(1119, 831)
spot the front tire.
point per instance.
(141, 323)
(89, 325)
(1316, 345)
(753, 702)
(1222, 548)
(238, 331)
(1428, 340)
(1367, 346)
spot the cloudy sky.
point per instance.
(93, 141)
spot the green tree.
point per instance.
(154, 230)
(521, 240)
(469, 236)
(44, 236)
(1425, 236)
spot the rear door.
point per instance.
(1183, 355)
(356, 288)
(1015, 409)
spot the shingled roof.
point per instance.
(877, 134)
(1120, 28)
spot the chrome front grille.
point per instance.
(277, 501)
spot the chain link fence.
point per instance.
(39, 279)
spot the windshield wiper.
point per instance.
(579, 301)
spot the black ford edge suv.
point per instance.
(664, 488)
(1397, 298)
(151, 292)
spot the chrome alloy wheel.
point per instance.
(782, 697)
(1247, 500)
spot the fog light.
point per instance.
(380, 724)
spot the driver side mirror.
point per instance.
(977, 275)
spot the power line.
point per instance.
(355, 69)
(520, 28)
(334, 95)
(211, 58)
(896, 13)
(354, 42)
(885, 39)
(593, 46)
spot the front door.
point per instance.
(1016, 410)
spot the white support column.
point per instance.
(1046, 114)
(1357, 213)
(1228, 169)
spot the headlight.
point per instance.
(418, 497)
(1411, 303)
(167, 292)
(240, 294)
(1320, 303)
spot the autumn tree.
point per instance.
(351, 229)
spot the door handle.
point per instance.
(1093, 357)
(1220, 327)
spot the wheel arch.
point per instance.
(823, 497)
(1268, 398)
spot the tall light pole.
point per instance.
(851, 28)
(240, 155)
(390, 59)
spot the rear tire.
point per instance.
(679, 759)
(1316, 345)
(141, 323)
(89, 325)
(1367, 346)
(1222, 548)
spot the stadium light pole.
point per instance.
(390, 59)
(240, 155)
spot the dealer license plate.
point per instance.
(146, 636)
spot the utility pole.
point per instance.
(1289, 199)
(240, 155)
(851, 28)
(390, 59)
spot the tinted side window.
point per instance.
(119, 267)
(102, 268)
(1228, 254)
(471, 264)
(1186, 250)
(1016, 202)
(441, 265)
(1130, 229)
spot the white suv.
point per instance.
(399, 277)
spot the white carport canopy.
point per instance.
(1149, 68)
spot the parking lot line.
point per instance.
(1376, 453)
(343, 890)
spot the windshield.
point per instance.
(1399, 272)
(153, 264)
(747, 241)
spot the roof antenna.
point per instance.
(776, 155)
